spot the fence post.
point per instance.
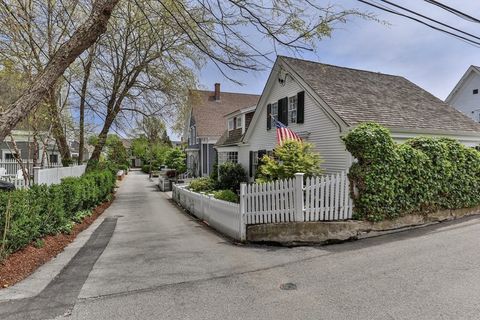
(243, 226)
(299, 202)
(36, 172)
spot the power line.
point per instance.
(456, 12)
(467, 40)
(431, 19)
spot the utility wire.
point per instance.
(467, 40)
(456, 12)
(431, 19)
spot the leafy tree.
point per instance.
(176, 159)
(290, 158)
(116, 151)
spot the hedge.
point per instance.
(27, 215)
(419, 176)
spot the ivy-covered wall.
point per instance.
(419, 176)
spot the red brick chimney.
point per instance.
(217, 91)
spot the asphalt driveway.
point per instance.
(150, 260)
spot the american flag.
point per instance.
(284, 133)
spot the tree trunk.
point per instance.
(83, 94)
(57, 127)
(82, 38)
(102, 139)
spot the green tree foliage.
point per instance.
(176, 159)
(419, 176)
(290, 158)
(116, 151)
(230, 175)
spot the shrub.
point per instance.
(146, 168)
(290, 158)
(421, 175)
(230, 175)
(28, 215)
(202, 185)
(226, 195)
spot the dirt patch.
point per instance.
(22, 263)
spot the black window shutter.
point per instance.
(250, 165)
(301, 107)
(283, 110)
(269, 116)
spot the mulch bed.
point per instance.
(22, 263)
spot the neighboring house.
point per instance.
(322, 102)
(465, 96)
(75, 148)
(206, 124)
(24, 142)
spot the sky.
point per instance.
(433, 60)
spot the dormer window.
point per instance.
(231, 124)
(239, 122)
(475, 91)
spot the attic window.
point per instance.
(475, 91)
(231, 124)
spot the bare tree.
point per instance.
(82, 38)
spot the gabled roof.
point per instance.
(358, 96)
(209, 113)
(459, 85)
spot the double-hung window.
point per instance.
(239, 122)
(231, 124)
(275, 110)
(292, 109)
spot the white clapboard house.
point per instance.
(465, 95)
(322, 102)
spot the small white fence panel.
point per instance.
(221, 215)
(327, 198)
(270, 202)
(12, 166)
(55, 175)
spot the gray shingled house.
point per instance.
(206, 124)
(322, 102)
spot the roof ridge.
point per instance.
(226, 92)
(340, 67)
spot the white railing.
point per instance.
(221, 215)
(325, 198)
(55, 175)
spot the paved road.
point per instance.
(161, 264)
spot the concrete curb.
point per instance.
(40, 278)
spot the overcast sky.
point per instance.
(431, 59)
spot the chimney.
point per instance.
(217, 91)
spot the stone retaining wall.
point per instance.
(326, 232)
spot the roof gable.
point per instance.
(358, 96)
(472, 69)
(209, 113)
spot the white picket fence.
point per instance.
(325, 198)
(55, 175)
(12, 166)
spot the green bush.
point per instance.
(290, 158)
(146, 168)
(422, 175)
(28, 215)
(204, 184)
(226, 195)
(230, 175)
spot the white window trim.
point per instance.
(231, 124)
(292, 107)
(238, 126)
(275, 115)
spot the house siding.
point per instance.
(323, 133)
(467, 102)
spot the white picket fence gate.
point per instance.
(325, 198)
